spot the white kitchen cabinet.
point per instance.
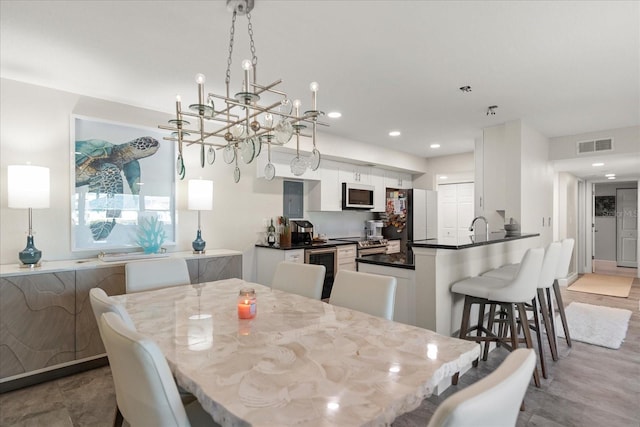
(354, 174)
(398, 180)
(267, 260)
(404, 310)
(326, 194)
(376, 178)
(282, 162)
(347, 257)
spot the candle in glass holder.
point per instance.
(247, 303)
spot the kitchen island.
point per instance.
(441, 262)
(401, 267)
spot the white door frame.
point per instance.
(584, 229)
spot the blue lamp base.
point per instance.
(30, 256)
(198, 245)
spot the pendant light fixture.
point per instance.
(241, 125)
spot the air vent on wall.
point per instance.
(595, 146)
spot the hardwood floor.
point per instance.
(588, 386)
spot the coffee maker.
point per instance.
(301, 232)
(373, 229)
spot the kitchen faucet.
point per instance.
(486, 224)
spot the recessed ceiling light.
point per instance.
(597, 164)
(609, 175)
(435, 146)
(334, 114)
(394, 133)
(612, 177)
(444, 177)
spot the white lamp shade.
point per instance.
(200, 195)
(28, 186)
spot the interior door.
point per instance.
(627, 227)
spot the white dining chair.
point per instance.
(102, 303)
(370, 293)
(155, 274)
(301, 279)
(495, 400)
(146, 392)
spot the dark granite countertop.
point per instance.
(398, 260)
(470, 241)
(328, 244)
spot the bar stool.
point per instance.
(562, 273)
(545, 282)
(483, 290)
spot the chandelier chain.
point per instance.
(254, 58)
(231, 35)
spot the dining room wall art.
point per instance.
(121, 177)
(605, 205)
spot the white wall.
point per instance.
(456, 167)
(536, 184)
(566, 211)
(35, 127)
(625, 140)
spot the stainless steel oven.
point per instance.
(327, 257)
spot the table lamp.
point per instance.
(28, 188)
(200, 198)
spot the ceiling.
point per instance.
(563, 67)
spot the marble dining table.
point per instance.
(299, 362)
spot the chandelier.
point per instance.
(242, 126)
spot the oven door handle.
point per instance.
(320, 251)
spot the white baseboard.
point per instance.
(568, 280)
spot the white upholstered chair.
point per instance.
(301, 279)
(146, 392)
(101, 303)
(494, 400)
(545, 282)
(156, 274)
(370, 293)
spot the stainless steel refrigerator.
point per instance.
(411, 214)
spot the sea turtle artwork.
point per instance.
(101, 165)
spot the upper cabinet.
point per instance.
(393, 179)
(326, 194)
(355, 174)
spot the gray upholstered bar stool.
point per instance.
(545, 282)
(483, 290)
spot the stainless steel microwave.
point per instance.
(357, 196)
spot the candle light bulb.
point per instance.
(247, 65)
(297, 103)
(314, 86)
(268, 120)
(178, 99)
(200, 78)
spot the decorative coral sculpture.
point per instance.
(151, 234)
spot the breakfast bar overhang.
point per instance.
(441, 262)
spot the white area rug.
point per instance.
(595, 324)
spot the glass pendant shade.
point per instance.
(28, 188)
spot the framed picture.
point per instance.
(122, 186)
(605, 205)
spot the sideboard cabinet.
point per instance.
(46, 320)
